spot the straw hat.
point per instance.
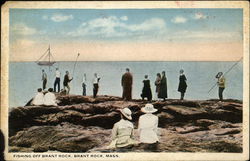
(127, 113)
(149, 108)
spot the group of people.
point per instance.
(160, 83)
(57, 81)
(47, 99)
(127, 83)
(123, 131)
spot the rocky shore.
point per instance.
(83, 124)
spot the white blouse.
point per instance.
(148, 125)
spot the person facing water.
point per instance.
(126, 82)
(39, 98)
(221, 84)
(163, 87)
(146, 91)
(50, 98)
(148, 126)
(57, 80)
(66, 82)
(95, 82)
(157, 84)
(44, 79)
(84, 79)
(182, 84)
(123, 131)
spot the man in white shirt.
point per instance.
(50, 98)
(148, 125)
(57, 80)
(95, 85)
(39, 98)
(84, 79)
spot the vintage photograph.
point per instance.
(116, 80)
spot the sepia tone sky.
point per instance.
(127, 34)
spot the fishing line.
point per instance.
(226, 73)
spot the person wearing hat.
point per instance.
(123, 131)
(148, 125)
(221, 84)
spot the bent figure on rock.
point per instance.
(148, 126)
(50, 98)
(146, 91)
(39, 98)
(127, 81)
(66, 82)
(123, 131)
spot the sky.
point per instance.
(127, 34)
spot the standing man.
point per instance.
(84, 79)
(95, 85)
(163, 93)
(127, 81)
(44, 79)
(221, 84)
(66, 82)
(57, 81)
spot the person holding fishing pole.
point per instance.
(221, 84)
(66, 82)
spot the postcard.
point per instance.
(119, 80)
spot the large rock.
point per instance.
(82, 123)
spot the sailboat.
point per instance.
(46, 59)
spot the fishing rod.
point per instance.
(75, 63)
(226, 73)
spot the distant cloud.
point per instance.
(23, 29)
(179, 19)
(61, 18)
(199, 16)
(116, 27)
(206, 35)
(124, 18)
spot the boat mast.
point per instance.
(49, 53)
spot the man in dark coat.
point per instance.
(163, 87)
(127, 81)
(146, 91)
(66, 82)
(182, 84)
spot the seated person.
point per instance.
(123, 131)
(50, 98)
(148, 125)
(39, 98)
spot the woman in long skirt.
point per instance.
(182, 84)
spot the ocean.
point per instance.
(25, 78)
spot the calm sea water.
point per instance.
(25, 78)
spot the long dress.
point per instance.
(182, 84)
(127, 81)
(157, 84)
(146, 91)
(163, 88)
